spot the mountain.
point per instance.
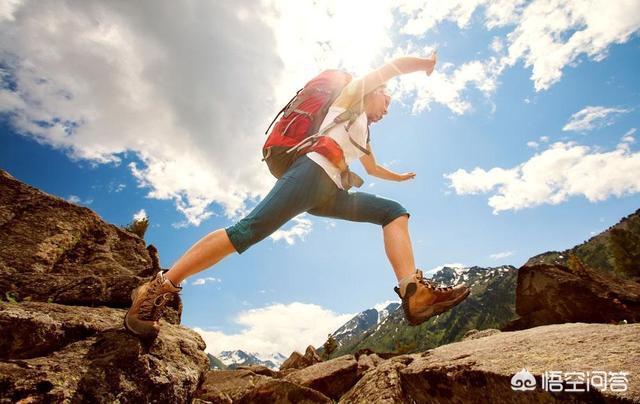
(233, 359)
(491, 304)
(615, 250)
(361, 323)
(215, 363)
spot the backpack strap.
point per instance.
(362, 149)
(283, 110)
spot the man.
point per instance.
(313, 184)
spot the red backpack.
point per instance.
(296, 132)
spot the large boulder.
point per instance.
(57, 353)
(481, 370)
(333, 378)
(382, 385)
(67, 276)
(554, 294)
(298, 361)
(244, 386)
(56, 251)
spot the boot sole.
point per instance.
(436, 309)
(134, 293)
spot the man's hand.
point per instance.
(407, 176)
(431, 63)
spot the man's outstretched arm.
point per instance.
(396, 67)
(374, 169)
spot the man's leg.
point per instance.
(393, 217)
(294, 193)
(397, 245)
(206, 252)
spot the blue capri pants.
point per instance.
(306, 187)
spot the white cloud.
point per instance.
(562, 171)
(202, 281)
(628, 137)
(547, 36)
(532, 144)
(544, 139)
(447, 86)
(299, 230)
(98, 79)
(551, 34)
(101, 80)
(139, 215)
(276, 328)
(592, 117)
(78, 201)
(501, 255)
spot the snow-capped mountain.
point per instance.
(363, 322)
(233, 359)
(490, 305)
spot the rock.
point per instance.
(59, 353)
(56, 251)
(554, 294)
(57, 262)
(299, 361)
(333, 378)
(480, 370)
(475, 334)
(364, 363)
(260, 370)
(244, 386)
(382, 385)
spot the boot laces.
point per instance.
(153, 306)
(431, 285)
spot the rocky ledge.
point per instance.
(477, 370)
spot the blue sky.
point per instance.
(523, 141)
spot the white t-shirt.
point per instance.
(358, 132)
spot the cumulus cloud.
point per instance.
(562, 171)
(281, 328)
(547, 36)
(592, 117)
(297, 231)
(501, 255)
(188, 87)
(448, 85)
(186, 95)
(78, 201)
(202, 281)
(551, 34)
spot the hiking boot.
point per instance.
(422, 299)
(148, 304)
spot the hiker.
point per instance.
(315, 184)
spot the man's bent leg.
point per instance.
(206, 252)
(397, 245)
(392, 216)
(298, 189)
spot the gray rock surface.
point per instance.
(480, 370)
(244, 386)
(56, 353)
(333, 378)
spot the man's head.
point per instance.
(376, 103)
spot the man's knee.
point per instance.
(393, 212)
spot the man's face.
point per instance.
(377, 104)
